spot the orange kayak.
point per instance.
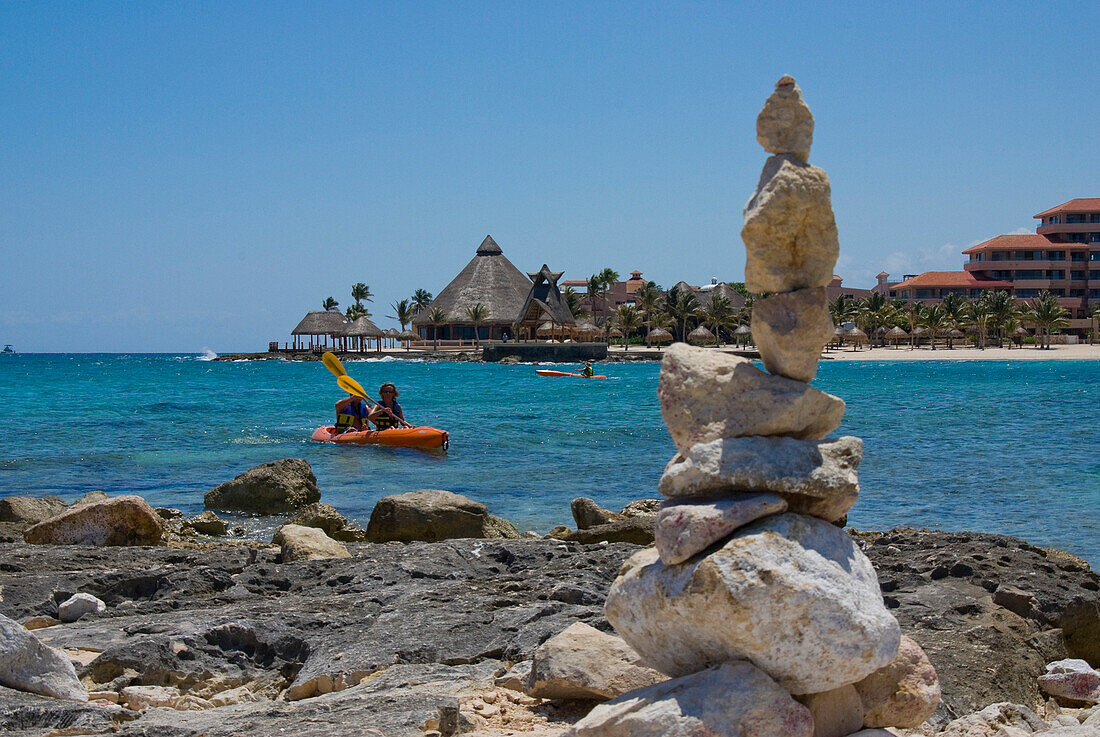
(406, 437)
(548, 372)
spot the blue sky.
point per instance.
(177, 176)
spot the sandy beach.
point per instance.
(1028, 353)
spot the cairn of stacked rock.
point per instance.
(751, 588)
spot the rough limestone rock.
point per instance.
(993, 718)
(836, 713)
(122, 520)
(584, 663)
(637, 529)
(319, 515)
(1073, 679)
(140, 698)
(307, 543)
(278, 487)
(816, 477)
(684, 528)
(706, 395)
(77, 605)
(431, 515)
(207, 523)
(792, 594)
(28, 665)
(91, 496)
(904, 693)
(785, 125)
(30, 510)
(790, 329)
(587, 513)
(790, 233)
(750, 705)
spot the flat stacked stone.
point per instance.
(748, 567)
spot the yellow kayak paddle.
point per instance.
(350, 385)
(332, 363)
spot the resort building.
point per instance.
(619, 293)
(508, 297)
(1061, 257)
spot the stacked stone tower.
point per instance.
(765, 613)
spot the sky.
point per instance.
(188, 176)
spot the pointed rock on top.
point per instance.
(785, 124)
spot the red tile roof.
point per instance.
(948, 279)
(1016, 240)
(1081, 204)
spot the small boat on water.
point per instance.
(550, 372)
(398, 437)
(8, 349)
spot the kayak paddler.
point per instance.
(387, 413)
(351, 414)
(587, 370)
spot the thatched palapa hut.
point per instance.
(488, 279)
(544, 303)
(319, 324)
(363, 330)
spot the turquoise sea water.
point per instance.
(993, 446)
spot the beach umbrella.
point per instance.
(586, 328)
(855, 336)
(742, 330)
(546, 328)
(700, 335)
(615, 333)
(408, 336)
(1021, 331)
(658, 335)
(895, 334)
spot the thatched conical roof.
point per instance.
(856, 333)
(955, 333)
(1021, 331)
(362, 328)
(615, 333)
(700, 335)
(546, 328)
(897, 332)
(489, 278)
(321, 322)
(742, 330)
(408, 335)
(658, 335)
(707, 294)
(544, 300)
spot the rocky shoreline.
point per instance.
(210, 636)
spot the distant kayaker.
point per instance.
(387, 413)
(351, 414)
(587, 370)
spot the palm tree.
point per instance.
(935, 320)
(913, 312)
(979, 315)
(682, 305)
(361, 292)
(438, 318)
(720, 314)
(575, 302)
(607, 277)
(648, 300)
(354, 311)
(1048, 315)
(404, 312)
(1002, 306)
(843, 309)
(593, 287)
(421, 298)
(478, 314)
(628, 319)
(329, 304)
